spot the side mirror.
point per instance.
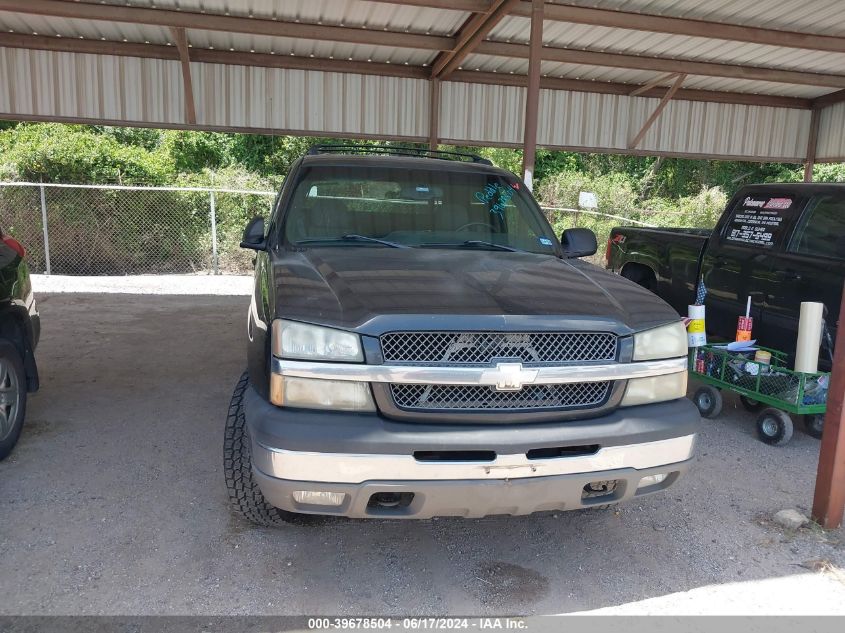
(578, 243)
(254, 235)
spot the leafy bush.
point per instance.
(53, 152)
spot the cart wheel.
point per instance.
(751, 405)
(814, 424)
(709, 401)
(774, 427)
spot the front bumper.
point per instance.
(361, 455)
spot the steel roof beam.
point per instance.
(829, 99)
(158, 51)
(470, 35)
(227, 23)
(684, 26)
(660, 64)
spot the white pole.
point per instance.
(213, 234)
(46, 232)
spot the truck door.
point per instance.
(811, 268)
(736, 264)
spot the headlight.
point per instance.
(313, 342)
(666, 341)
(314, 393)
(655, 389)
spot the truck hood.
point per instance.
(349, 287)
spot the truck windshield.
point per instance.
(382, 207)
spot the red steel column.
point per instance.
(811, 145)
(532, 98)
(434, 113)
(829, 500)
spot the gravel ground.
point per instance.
(114, 503)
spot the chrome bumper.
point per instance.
(356, 468)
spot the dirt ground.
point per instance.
(114, 503)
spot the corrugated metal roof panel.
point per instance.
(831, 139)
(359, 13)
(824, 17)
(48, 84)
(625, 41)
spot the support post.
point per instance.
(213, 233)
(532, 97)
(434, 113)
(46, 231)
(812, 142)
(829, 498)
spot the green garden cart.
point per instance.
(769, 389)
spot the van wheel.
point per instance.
(774, 427)
(814, 425)
(751, 405)
(244, 493)
(12, 397)
(709, 401)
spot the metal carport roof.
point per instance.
(747, 80)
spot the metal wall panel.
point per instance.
(831, 141)
(310, 101)
(494, 114)
(69, 85)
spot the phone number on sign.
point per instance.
(410, 624)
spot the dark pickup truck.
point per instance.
(421, 344)
(780, 244)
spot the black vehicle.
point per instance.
(420, 344)
(780, 244)
(19, 331)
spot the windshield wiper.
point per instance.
(472, 243)
(352, 237)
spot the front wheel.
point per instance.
(774, 427)
(244, 493)
(814, 425)
(12, 397)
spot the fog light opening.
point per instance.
(319, 497)
(390, 500)
(596, 489)
(652, 480)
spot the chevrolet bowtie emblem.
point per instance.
(508, 376)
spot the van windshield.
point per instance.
(423, 208)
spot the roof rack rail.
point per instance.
(351, 148)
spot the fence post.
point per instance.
(213, 233)
(46, 232)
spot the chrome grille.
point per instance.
(484, 398)
(480, 348)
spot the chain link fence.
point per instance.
(122, 230)
(128, 230)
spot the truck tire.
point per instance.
(244, 493)
(708, 400)
(774, 427)
(12, 397)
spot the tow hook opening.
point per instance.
(599, 489)
(390, 500)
